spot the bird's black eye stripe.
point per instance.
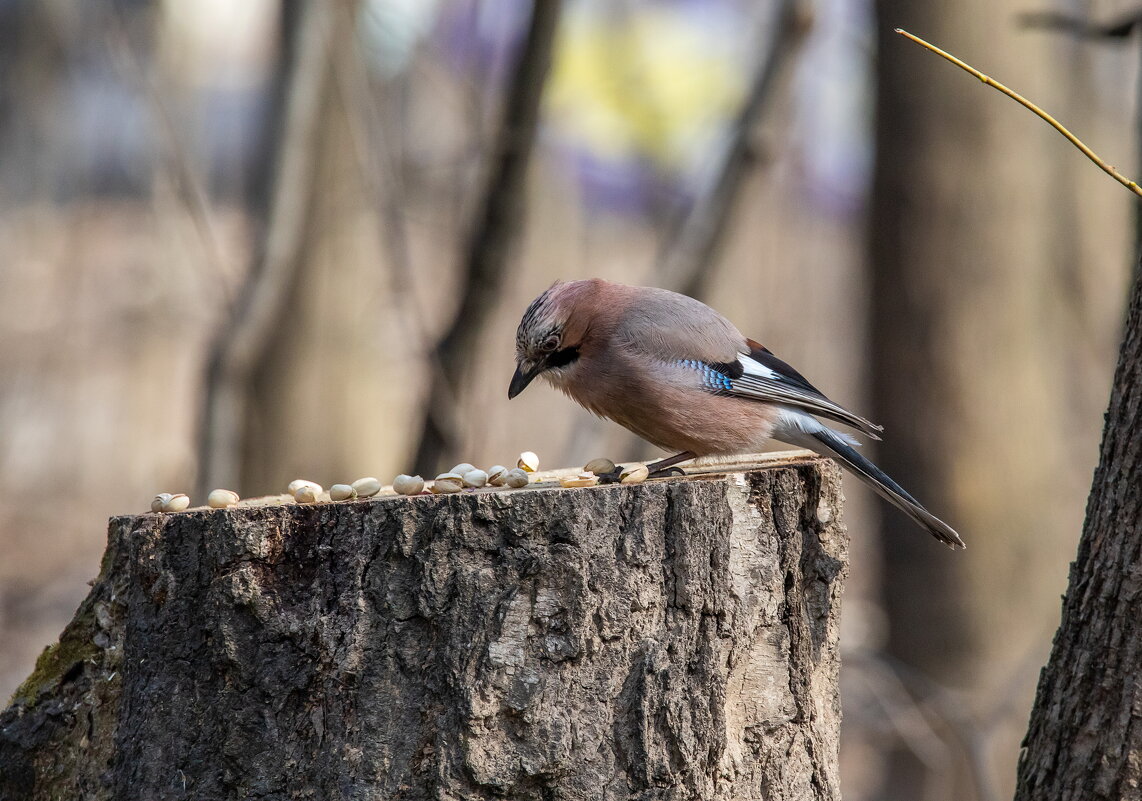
(563, 357)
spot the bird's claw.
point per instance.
(615, 476)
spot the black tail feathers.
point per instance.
(834, 445)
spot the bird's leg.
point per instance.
(664, 468)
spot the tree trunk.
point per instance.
(991, 308)
(1085, 736)
(670, 640)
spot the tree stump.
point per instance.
(670, 640)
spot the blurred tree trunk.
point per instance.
(1085, 737)
(336, 328)
(493, 237)
(30, 60)
(280, 207)
(317, 315)
(990, 271)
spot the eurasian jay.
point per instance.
(682, 377)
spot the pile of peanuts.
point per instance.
(462, 476)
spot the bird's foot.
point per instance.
(615, 476)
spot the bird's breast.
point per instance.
(668, 406)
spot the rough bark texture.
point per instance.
(1085, 736)
(671, 640)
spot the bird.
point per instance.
(681, 376)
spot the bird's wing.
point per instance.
(663, 326)
(759, 375)
(667, 327)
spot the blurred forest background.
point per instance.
(243, 242)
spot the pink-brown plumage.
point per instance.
(617, 376)
(678, 374)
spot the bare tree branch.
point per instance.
(687, 258)
(1117, 30)
(244, 337)
(1120, 27)
(489, 247)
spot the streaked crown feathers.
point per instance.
(542, 318)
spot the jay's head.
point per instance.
(550, 334)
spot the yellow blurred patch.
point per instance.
(649, 83)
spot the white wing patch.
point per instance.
(766, 384)
(756, 368)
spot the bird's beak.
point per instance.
(522, 378)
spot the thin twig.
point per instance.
(174, 153)
(1018, 98)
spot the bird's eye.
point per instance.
(550, 344)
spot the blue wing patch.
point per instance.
(712, 379)
(773, 382)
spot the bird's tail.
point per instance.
(827, 442)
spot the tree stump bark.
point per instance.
(670, 640)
